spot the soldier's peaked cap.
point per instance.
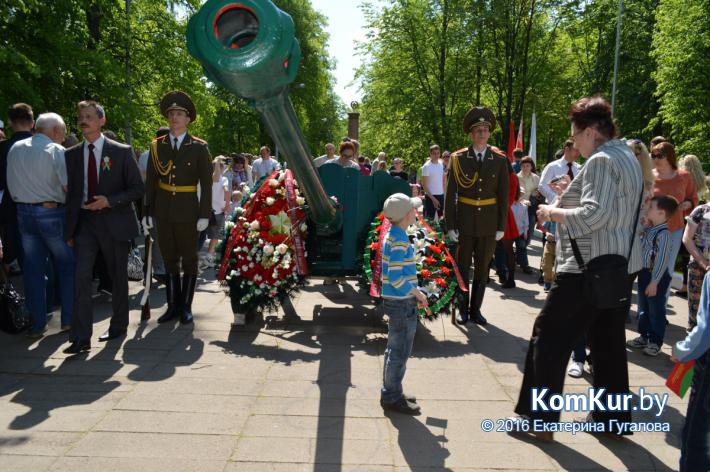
(177, 100)
(479, 116)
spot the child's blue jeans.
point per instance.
(652, 310)
(400, 338)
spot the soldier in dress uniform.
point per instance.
(178, 163)
(476, 207)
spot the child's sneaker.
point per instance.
(638, 343)
(576, 369)
(652, 349)
(547, 287)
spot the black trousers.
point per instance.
(178, 243)
(430, 211)
(563, 321)
(92, 237)
(481, 248)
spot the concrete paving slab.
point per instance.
(17, 463)
(302, 394)
(163, 445)
(93, 464)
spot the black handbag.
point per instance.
(14, 316)
(606, 278)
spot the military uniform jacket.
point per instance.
(491, 182)
(184, 169)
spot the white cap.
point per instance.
(398, 205)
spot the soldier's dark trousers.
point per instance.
(481, 248)
(178, 242)
(93, 240)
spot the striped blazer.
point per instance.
(601, 204)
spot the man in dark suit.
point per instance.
(103, 182)
(476, 207)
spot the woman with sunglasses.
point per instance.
(670, 180)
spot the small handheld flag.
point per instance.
(681, 377)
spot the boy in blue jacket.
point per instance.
(401, 298)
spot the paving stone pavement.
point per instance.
(298, 391)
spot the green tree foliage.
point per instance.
(681, 47)
(54, 54)
(428, 61)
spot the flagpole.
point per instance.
(616, 56)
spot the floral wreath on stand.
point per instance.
(437, 273)
(263, 254)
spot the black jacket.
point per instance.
(121, 184)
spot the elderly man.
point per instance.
(37, 181)
(265, 165)
(329, 154)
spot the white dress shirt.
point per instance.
(98, 148)
(554, 169)
(179, 140)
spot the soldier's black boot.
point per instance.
(172, 294)
(462, 305)
(188, 293)
(478, 288)
(510, 280)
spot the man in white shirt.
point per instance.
(265, 165)
(329, 155)
(565, 166)
(433, 180)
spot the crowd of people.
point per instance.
(77, 204)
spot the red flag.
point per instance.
(519, 143)
(511, 140)
(681, 377)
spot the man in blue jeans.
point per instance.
(695, 438)
(37, 181)
(401, 297)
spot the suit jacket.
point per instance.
(187, 167)
(121, 184)
(491, 182)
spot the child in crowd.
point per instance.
(654, 278)
(416, 190)
(520, 212)
(695, 437)
(696, 239)
(220, 208)
(401, 298)
(548, 255)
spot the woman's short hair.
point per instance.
(667, 150)
(347, 145)
(528, 160)
(593, 112)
